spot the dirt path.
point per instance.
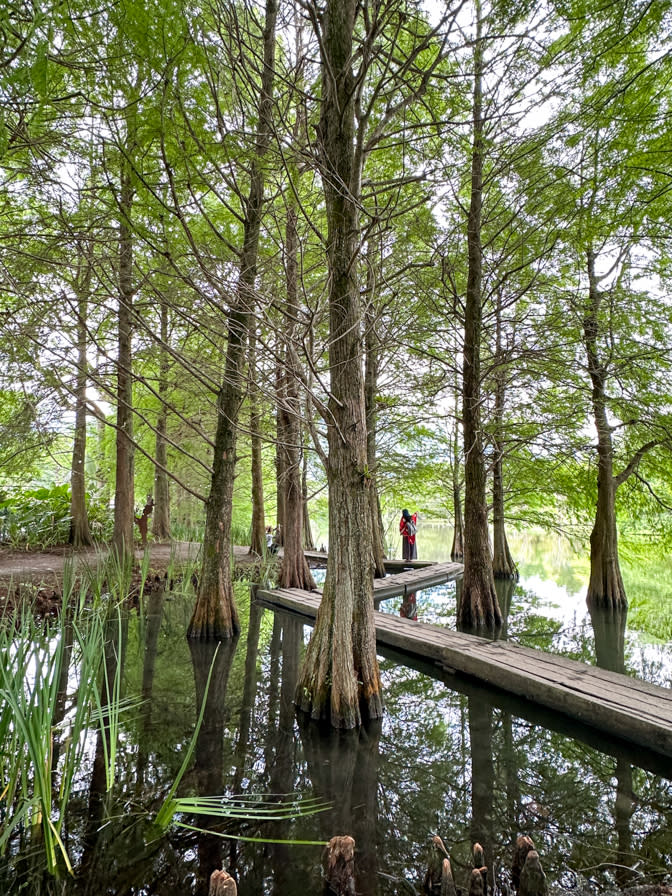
(45, 568)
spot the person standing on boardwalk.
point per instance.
(408, 528)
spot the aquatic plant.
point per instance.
(254, 808)
(43, 724)
(262, 808)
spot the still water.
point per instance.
(448, 758)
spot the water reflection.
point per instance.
(212, 667)
(343, 769)
(409, 607)
(482, 778)
(450, 757)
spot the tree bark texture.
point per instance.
(503, 566)
(308, 541)
(80, 533)
(280, 439)
(294, 570)
(457, 548)
(340, 679)
(124, 511)
(258, 524)
(372, 350)
(161, 517)
(215, 615)
(605, 587)
(479, 607)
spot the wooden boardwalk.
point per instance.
(412, 580)
(614, 704)
(390, 565)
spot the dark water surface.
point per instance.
(448, 758)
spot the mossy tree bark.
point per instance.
(340, 679)
(215, 614)
(478, 607)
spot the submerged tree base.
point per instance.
(340, 680)
(478, 608)
(215, 617)
(605, 588)
(511, 574)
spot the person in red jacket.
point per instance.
(408, 528)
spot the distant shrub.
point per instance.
(40, 517)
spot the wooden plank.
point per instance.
(392, 565)
(633, 710)
(416, 579)
(316, 556)
(536, 714)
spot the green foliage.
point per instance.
(37, 517)
(648, 584)
(40, 517)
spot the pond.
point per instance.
(448, 758)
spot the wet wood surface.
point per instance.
(616, 704)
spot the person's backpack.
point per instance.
(411, 528)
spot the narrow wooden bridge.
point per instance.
(616, 705)
(320, 558)
(426, 576)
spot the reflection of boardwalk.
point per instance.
(615, 704)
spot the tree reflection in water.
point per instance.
(450, 757)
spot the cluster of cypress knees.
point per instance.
(527, 875)
(338, 862)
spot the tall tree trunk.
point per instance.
(479, 607)
(372, 366)
(280, 455)
(258, 525)
(605, 587)
(215, 614)
(308, 408)
(503, 566)
(340, 679)
(294, 572)
(308, 541)
(457, 549)
(161, 516)
(80, 534)
(124, 511)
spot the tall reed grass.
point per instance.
(58, 680)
